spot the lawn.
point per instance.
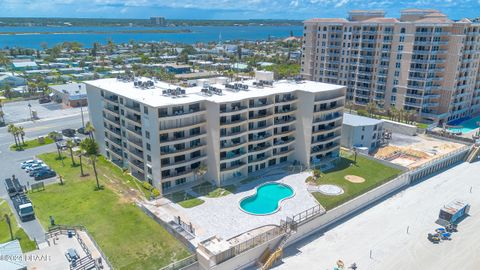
(208, 190)
(18, 233)
(128, 237)
(31, 144)
(375, 174)
(184, 199)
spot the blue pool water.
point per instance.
(267, 199)
(466, 125)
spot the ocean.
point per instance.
(29, 37)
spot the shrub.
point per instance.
(155, 192)
(362, 112)
(147, 185)
(317, 173)
(310, 179)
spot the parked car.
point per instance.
(77, 140)
(30, 162)
(71, 255)
(33, 172)
(44, 174)
(43, 100)
(82, 131)
(68, 132)
(35, 166)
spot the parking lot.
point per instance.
(395, 230)
(11, 160)
(16, 112)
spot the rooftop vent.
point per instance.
(236, 87)
(144, 84)
(175, 93)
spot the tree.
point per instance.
(91, 150)
(90, 129)
(12, 129)
(9, 223)
(21, 133)
(201, 170)
(80, 153)
(70, 145)
(371, 107)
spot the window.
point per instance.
(148, 147)
(149, 158)
(147, 134)
(145, 110)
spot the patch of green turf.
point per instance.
(18, 233)
(185, 199)
(218, 192)
(31, 144)
(375, 174)
(128, 237)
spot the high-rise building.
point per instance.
(422, 61)
(160, 21)
(163, 134)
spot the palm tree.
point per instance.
(91, 150)
(70, 145)
(21, 133)
(12, 129)
(80, 153)
(201, 170)
(89, 128)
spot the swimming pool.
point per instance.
(466, 125)
(267, 199)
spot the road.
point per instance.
(10, 160)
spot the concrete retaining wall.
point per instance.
(400, 128)
(247, 258)
(384, 162)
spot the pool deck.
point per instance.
(383, 230)
(223, 217)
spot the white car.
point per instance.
(36, 166)
(29, 163)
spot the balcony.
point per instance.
(134, 118)
(172, 150)
(112, 110)
(136, 153)
(233, 167)
(284, 111)
(283, 121)
(259, 148)
(231, 144)
(181, 113)
(259, 105)
(137, 164)
(238, 109)
(258, 138)
(185, 162)
(183, 138)
(283, 142)
(232, 122)
(284, 132)
(233, 155)
(112, 121)
(173, 176)
(137, 143)
(284, 100)
(131, 107)
(327, 129)
(115, 131)
(260, 115)
(252, 161)
(137, 132)
(232, 134)
(317, 149)
(330, 117)
(185, 124)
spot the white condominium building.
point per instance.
(422, 61)
(163, 134)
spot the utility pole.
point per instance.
(81, 106)
(30, 109)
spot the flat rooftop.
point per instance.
(358, 121)
(153, 96)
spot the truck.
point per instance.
(20, 201)
(453, 213)
(24, 207)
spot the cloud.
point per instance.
(229, 9)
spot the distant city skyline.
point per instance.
(225, 9)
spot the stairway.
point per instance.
(473, 154)
(268, 257)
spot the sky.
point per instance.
(225, 9)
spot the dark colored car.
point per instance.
(44, 175)
(43, 100)
(38, 170)
(82, 131)
(68, 132)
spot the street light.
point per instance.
(30, 108)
